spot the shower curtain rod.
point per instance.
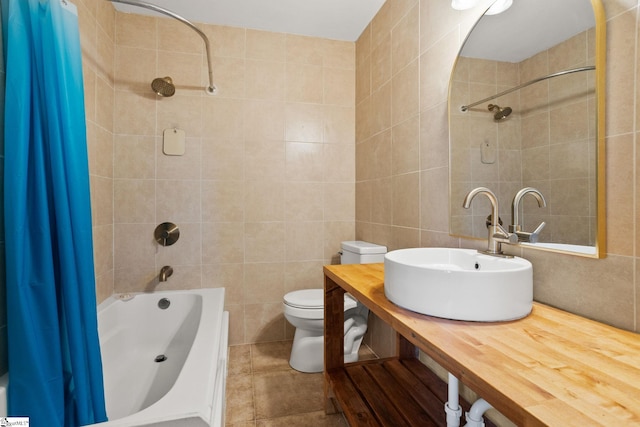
(211, 89)
(539, 79)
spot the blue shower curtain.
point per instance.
(55, 368)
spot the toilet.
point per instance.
(304, 309)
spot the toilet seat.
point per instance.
(306, 298)
(313, 299)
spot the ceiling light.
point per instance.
(499, 6)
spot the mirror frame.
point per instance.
(600, 155)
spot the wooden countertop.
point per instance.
(551, 368)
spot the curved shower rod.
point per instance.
(211, 89)
(539, 79)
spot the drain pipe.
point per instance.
(452, 407)
(474, 416)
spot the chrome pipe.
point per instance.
(539, 79)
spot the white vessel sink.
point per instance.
(459, 284)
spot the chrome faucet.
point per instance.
(496, 233)
(165, 273)
(515, 226)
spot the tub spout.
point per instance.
(165, 273)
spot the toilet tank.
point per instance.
(359, 252)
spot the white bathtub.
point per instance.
(186, 389)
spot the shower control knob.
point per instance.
(166, 234)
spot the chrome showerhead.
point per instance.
(163, 86)
(502, 113)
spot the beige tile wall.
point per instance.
(475, 79)
(265, 191)
(561, 165)
(97, 34)
(607, 289)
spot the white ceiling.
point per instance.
(332, 19)
(528, 27)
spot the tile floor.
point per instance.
(264, 391)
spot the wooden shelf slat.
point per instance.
(409, 374)
(402, 397)
(391, 392)
(355, 408)
(380, 406)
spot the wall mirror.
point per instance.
(526, 109)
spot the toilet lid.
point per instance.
(306, 298)
(314, 298)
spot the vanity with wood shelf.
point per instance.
(551, 368)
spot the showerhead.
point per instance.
(502, 113)
(163, 86)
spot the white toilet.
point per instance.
(305, 310)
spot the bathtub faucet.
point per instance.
(165, 273)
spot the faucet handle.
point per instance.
(503, 236)
(532, 237)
